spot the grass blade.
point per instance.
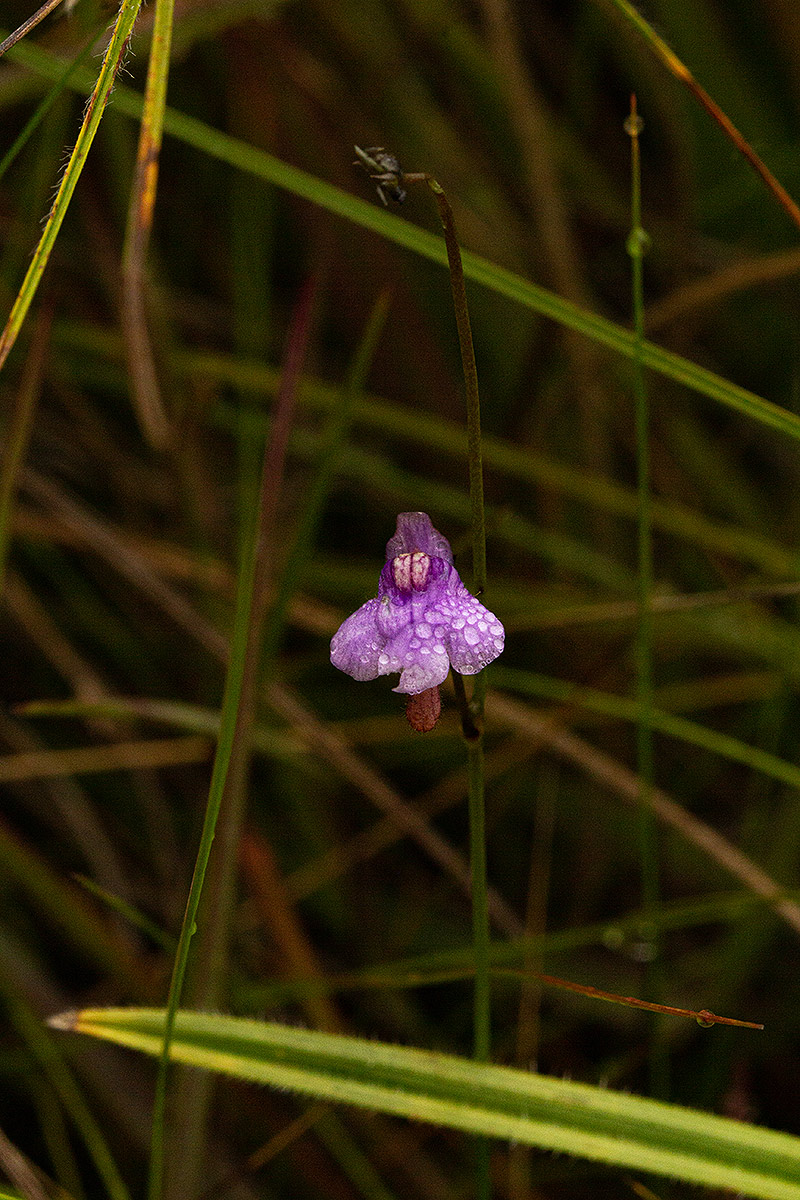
(500, 1102)
(94, 111)
(403, 233)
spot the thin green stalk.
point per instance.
(472, 714)
(637, 246)
(480, 898)
(55, 1069)
(230, 804)
(475, 455)
(225, 744)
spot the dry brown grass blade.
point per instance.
(127, 560)
(34, 618)
(19, 1170)
(550, 217)
(65, 807)
(625, 783)
(712, 289)
(25, 28)
(334, 750)
(138, 345)
(18, 433)
(279, 916)
(120, 756)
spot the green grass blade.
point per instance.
(91, 121)
(403, 233)
(55, 1068)
(627, 709)
(595, 1123)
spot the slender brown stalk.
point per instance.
(138, 345)
(28, 25)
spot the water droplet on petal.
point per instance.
(471, 636)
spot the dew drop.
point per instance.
(471, 636)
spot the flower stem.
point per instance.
(470, 386)
(637, 246)
(472, 711)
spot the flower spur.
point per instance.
(423, 620)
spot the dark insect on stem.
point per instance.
(384, 169)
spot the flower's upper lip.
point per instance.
(416, 532)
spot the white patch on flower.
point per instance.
(410, 571)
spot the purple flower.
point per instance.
(423, 620)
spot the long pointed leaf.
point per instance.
(499, 1102)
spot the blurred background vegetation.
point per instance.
(343, 857)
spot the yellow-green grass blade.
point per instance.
(590, 1122)
(94, 111)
